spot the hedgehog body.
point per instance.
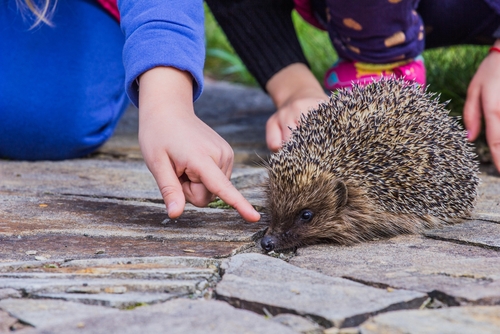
(373, 161)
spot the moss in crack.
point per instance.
(219, 204)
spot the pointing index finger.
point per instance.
(217, 183)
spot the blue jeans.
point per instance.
(62, 87)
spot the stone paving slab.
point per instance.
(455, 274)
(177, 316)
(54, 226)
(257, 282)
(91, 177)
(43, 313)
(120, 283)
(6, 322)
(112, 179)
(298, 323)
(474, 232)
(464, 320)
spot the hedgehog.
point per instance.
(374, 161)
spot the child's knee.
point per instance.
(50, 134)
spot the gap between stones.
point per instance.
(461, 242)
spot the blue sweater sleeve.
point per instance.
(162, 33)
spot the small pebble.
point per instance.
(31, 252)
(40, 258)
(42, 205)
(100, 251)
(189, 251)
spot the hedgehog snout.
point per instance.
(268, 243)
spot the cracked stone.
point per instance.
(179, 316)
(474, 232)
(466, 320)
(130, 180)
(42, 313)
(298, 323)
(255, 282)
(75, 227)
(453, 273)
(119, 283)
(9, 293)
(6, 322)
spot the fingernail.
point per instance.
(171, 206)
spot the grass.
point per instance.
(449, 70)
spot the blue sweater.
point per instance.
(162, 33)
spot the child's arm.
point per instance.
(483, 100)
(294, 91)
(164, 52)
(188, 159)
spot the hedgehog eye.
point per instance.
(306, 215)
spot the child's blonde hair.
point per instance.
(42, 10)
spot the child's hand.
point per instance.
(294, 91)
(188, 160)
(483, 100)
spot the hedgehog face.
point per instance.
(308, 214)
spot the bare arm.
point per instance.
(483, 101)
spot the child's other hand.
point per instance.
(483, 100)
(188, 160)
(286, 117)
(294, 91)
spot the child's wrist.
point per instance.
(166, 88)
(494, 49)
(290, 82)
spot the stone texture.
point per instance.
(455, 274)
(6, 322)
(473, 232)
(90, 177)
(125, 301)
(119, 283)
(112, 179)
(255, 282)
(298, 323)
(464, 320)
(9, 293)
(75, 227)
(177, 316)
(42, 313)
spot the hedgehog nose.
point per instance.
(267, 243)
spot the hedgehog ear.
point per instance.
(340, 190)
